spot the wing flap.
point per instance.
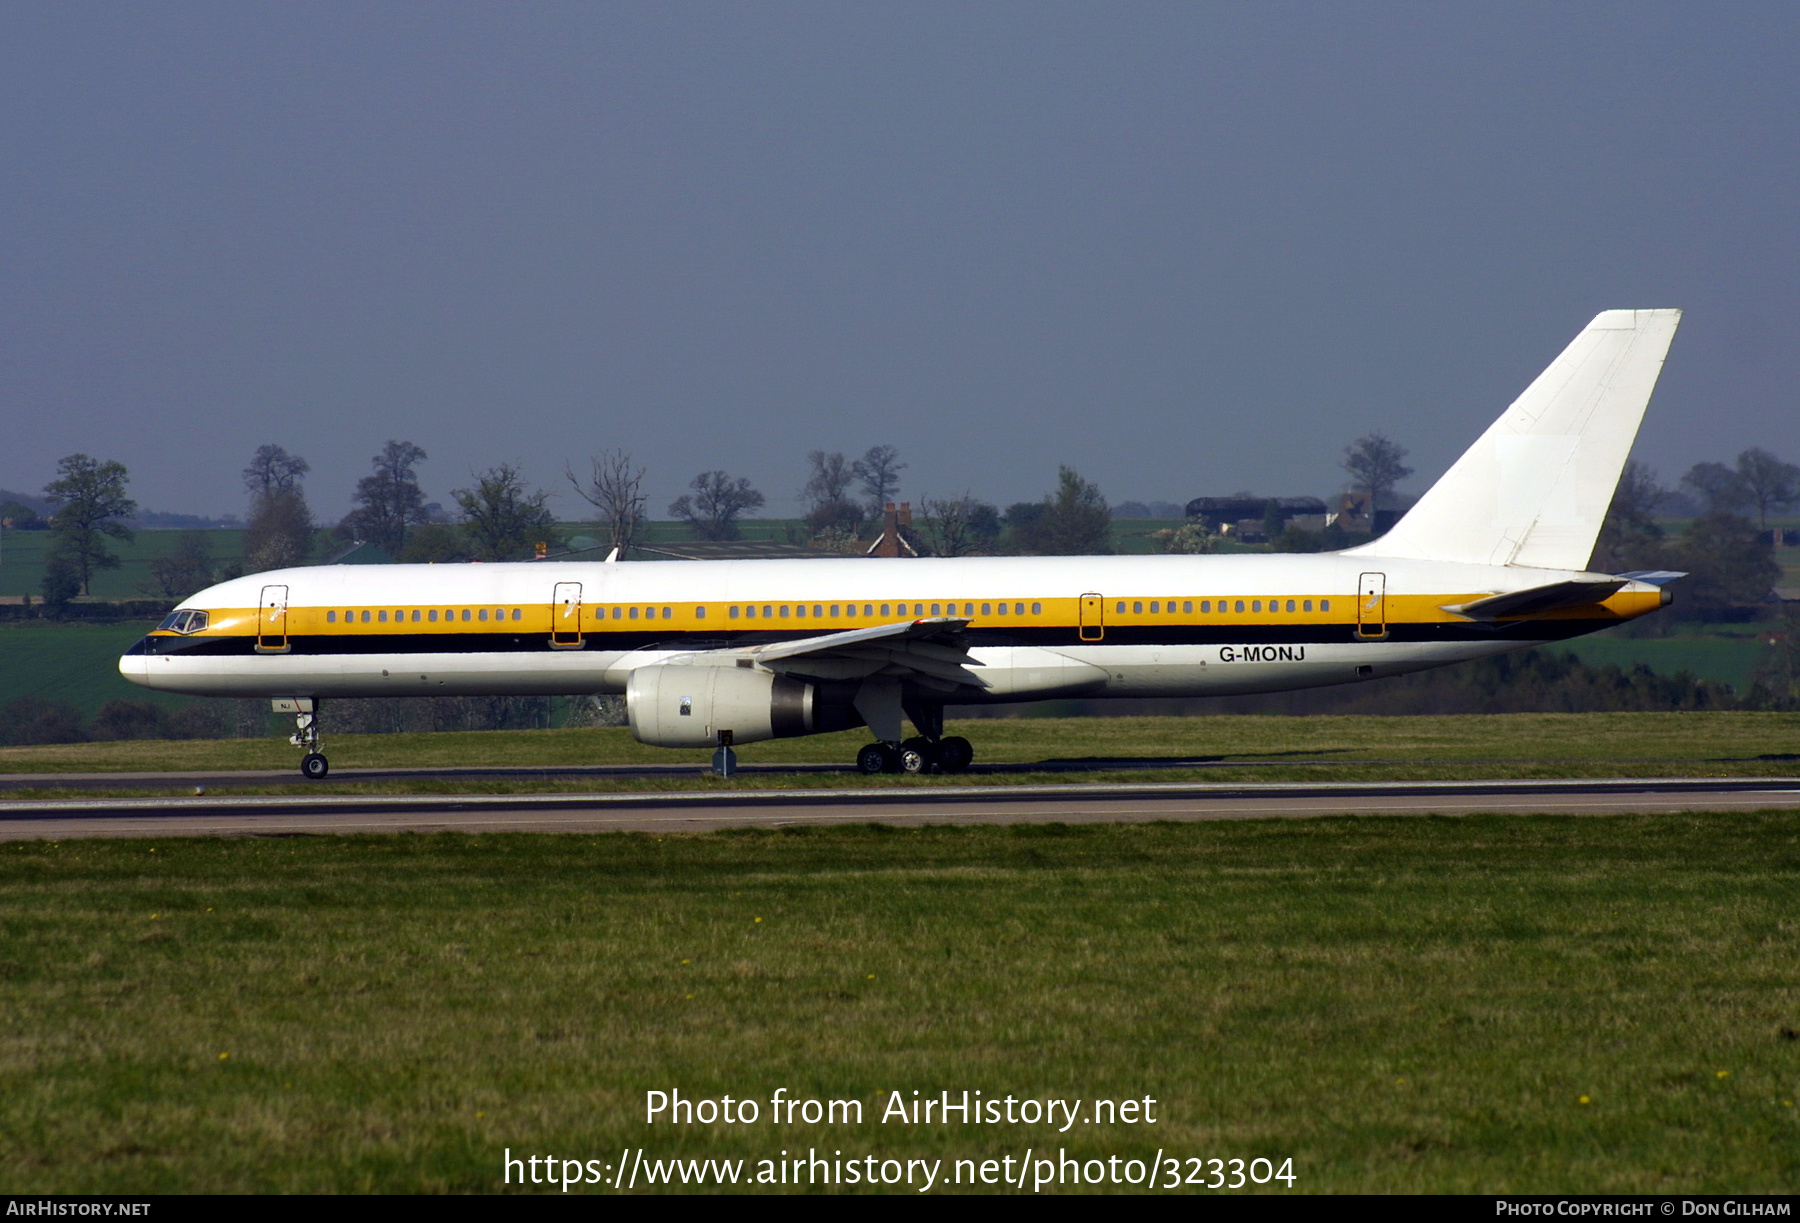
(929, 650)
(905, 630)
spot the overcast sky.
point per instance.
(1185, 248)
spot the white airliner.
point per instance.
(712, 653)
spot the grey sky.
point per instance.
(1184, 248)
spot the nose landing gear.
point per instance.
(306, 735)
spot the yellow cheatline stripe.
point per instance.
(1057, 613)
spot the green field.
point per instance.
(74, 662)
(1728, 658)
(1222, 749)
(1484, 1004)
(22, 561)
(77, 662)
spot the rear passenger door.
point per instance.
(1371, 606)
(1093, 617)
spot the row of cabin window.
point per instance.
(778, 611)
(848, 610)
(1206, 606)
(429, 616)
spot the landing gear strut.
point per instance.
(306, 735)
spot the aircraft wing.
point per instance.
(1537, 601)
(930, 650)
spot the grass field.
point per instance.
(1726, 658)
(73, 662)
(1222, 748)
(1479, 1004)
(22, 565)
(78, 662)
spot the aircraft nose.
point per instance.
(134, 665)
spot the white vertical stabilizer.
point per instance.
(1534, 489)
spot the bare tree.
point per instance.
(1376, 464)
(713, 507)
(273, 470)
(827, 494)
(958, 526)
(615, 489)
(280, 528)
(1770, 483)
(879, 470)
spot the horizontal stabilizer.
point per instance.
(1653, 577)
(1538, 601)
(1534, 489)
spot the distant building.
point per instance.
(1218, 511)
(896, 525)
(1353, 513)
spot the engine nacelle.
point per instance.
(678, 705)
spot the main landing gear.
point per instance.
(928, 752)
(306, 735)
(917, 755)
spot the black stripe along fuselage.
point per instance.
(348, 644)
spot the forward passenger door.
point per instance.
(271, 621)
(565, 616)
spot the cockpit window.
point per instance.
(183, 622)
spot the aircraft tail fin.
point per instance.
(1534, 489)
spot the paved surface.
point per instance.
(603, 772)
(599, 773)
(214, 815)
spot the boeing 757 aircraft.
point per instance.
(712, 653)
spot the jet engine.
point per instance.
(683, 705)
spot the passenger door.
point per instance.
(1093, 617)
(565, 616)
(271, 621)
(1371, 606)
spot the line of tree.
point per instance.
(1542, 680)
(1729, 561)
(498, 516)
(1758, 479)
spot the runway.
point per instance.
(688, 812)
